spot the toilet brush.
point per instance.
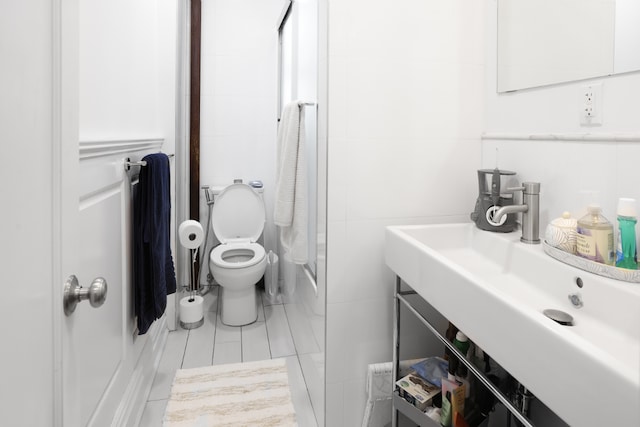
(193, 279)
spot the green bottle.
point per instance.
(626, 252)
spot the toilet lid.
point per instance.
(238, 214)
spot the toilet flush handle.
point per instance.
(74, 293)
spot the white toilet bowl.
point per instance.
(237, 219)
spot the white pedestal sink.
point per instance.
(495, 288)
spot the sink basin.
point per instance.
(495, 288)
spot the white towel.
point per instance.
(290, 211)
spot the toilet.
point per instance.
(237, 220)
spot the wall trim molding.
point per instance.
(585, 137)
(101, 148)
(134, 399)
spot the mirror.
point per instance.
(544, 42)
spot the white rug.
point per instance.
(236, 395)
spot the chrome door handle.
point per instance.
(74, 293)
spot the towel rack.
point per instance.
(128, 163)
(300, 105)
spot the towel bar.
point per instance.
(128, 163)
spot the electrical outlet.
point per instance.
(591, 105)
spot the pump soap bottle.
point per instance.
(626, 253)
(594, 240)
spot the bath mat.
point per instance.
(252, 394)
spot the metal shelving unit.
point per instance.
(410, 411)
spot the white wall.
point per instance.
(127, 69)
(405, 118)
(567, 170)
(127, 95)
(127, 80)
(238, 109)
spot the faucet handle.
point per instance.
(531, 187)
(527, 188)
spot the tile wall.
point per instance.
(238, 95)
(405, 118)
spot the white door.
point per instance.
(65, 210)
(30, 138)
(59, 218)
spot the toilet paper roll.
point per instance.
(191, 309)
(191, 234)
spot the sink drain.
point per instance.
(559, 316)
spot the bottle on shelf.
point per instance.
(626, 253)
(594, 240)
(461, 342)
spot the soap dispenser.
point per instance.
(595, 237)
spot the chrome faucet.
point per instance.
(530, 209)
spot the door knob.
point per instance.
(74, 293)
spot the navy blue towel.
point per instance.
(153, 274)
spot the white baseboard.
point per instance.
(134, 399)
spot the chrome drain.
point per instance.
(559, 316)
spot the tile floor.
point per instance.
(276, 334)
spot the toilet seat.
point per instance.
(237, 255)
(237, 219)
